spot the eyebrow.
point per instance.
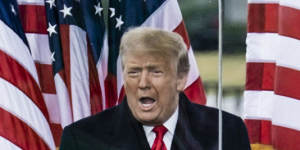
(134, 68)
(150, 67)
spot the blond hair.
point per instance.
(150, 40)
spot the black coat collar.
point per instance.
(128, 132)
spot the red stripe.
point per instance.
(289, 21)
(259, 131)
(260, 76)
(95, 89)
(46, 78)
(263, 18)
(56, 130)
(287, 82)
(19, 133)
(122, 95)
(285, 138)
(195, 92)
(33, 18)
(66, 72)
(14, 73)
(111, 90)
(180, 29)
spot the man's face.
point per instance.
(152, 86)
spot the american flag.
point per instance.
(273, 75)
(76, 35)
(34, 23)
(23, 113)
(72, 30)
(66, 39)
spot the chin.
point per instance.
(149, 120)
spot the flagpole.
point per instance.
(220, 88)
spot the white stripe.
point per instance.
(167, 16)
(79, 73)
(31, 2)
(7, 145)
(290, 3)
(39, 46)
(262, 47)
(258, 104)
(193, 73)
(286, 112)
(104, 56)
(263, 1)
(13, 46)
(289, 53)
(18, 104)
(102, 65)
(63, 101)
(51, 101)
(101, 78)
(120, 80)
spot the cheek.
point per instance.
(130, 90)
(166, 91)
(129, 84)
(165, 84)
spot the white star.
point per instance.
(52, 57)
(13, 9)
(51, 3)
(112, 12)
(98, 9)
(119, 22)
(51, 29)
(66, 11)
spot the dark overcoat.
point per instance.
(117, 129)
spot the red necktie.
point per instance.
(158, 142)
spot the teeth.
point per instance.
(146, 105)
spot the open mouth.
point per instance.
(147, 102)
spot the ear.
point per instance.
(181, 81)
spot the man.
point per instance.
(155, 114)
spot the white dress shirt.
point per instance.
(170, 124)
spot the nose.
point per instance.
(144, 82)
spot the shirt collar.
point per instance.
(170, 124)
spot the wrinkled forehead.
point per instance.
(153, 55)
(148, 62)
(145, 50)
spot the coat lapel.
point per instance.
(183, 138)
(128, 132)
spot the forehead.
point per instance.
(146, 59)
(155, 50)
(148, 62)
(142, 55)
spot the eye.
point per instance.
(132, 73)
(157, 73)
